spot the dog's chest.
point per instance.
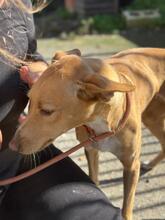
(110, 144)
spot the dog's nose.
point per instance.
(12, 145)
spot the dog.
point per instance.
(76, 91)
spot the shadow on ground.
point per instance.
(146, 37)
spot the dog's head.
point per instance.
(64, 97)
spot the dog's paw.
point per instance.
(145, 168)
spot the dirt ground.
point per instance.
(150, 196)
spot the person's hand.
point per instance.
(31, 73)
(1, 2)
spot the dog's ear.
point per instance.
(59, 54)
(97, 87)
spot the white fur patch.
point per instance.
(109, 144)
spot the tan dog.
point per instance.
(74, 91)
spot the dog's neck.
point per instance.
(107, 116)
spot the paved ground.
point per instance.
(150, 196)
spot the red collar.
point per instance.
(122, 122)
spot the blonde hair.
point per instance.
(37, 6)
(13, 59)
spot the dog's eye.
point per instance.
(46, 112)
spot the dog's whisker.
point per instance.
(50, 151)
(45, 152)
(31, 160)
(25, 159)
(34, 159)
(37, 155)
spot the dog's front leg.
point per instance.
(91, 153)
(131, 163)
(92, 156)
(131, 176)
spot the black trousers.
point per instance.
(60, 192)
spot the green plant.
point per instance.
(62, 13)
(147, 4)
(151, 4)
(107, 23)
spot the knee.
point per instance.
(132, 164)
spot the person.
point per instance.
(62, 191)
